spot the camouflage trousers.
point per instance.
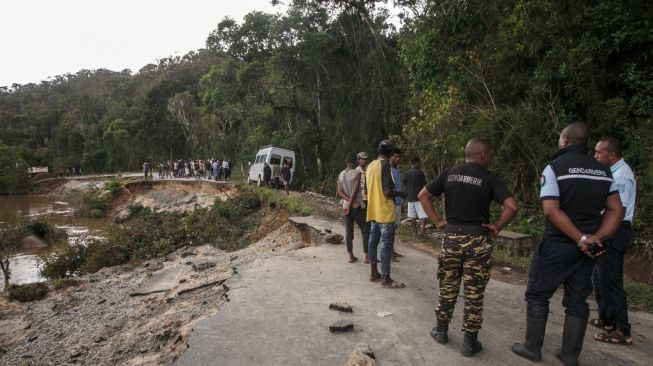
(470, 258)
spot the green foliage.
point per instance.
(279, 199)
(503, 256)
(28, 292)
(517, 72)
(61, 283)
(62, 261)
(10, 237)
(45, 231)
(114, 188)
(639, 295)
(143, 234)
(13, 170)
(88, 204)
(103, 253)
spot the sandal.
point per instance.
(353, 259)
(375, 279)
(392, 284)
(599, 324)
(614, 338)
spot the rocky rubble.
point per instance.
(130, 315)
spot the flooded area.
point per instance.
(50, 209)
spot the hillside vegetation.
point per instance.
(329, 77)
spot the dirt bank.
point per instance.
(131, 315)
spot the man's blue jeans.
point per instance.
(386, 234)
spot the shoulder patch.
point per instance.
(542, 180)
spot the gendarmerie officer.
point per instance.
(575, 189)
(467, 248)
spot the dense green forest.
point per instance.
(330, 77)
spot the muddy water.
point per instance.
(13, 209)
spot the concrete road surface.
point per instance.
(279, 315)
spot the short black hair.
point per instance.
(395, 151)
(415, 160)
(612, 144)
(350, 158)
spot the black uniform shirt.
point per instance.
(468, 190)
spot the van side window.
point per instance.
(275, 159)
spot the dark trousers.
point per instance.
(554, 264)
(357, 215)
(609, 281)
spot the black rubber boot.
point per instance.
(573, 335)
(471, 345)
(531, 349)
(439, 333)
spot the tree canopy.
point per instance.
(334, 76)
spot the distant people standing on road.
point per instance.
(415, 181)
(202, 169)
(362, 164)
(609, 267)
(381, 214)
(160, 170)
(146, 168)
(196, 169)
(216, 170)
(352, 205)
(207, 169)
(182, 168)
(226, 169)
(581, 206)
(467, 247)
(267, 174)
(286, 175)
(395, 160)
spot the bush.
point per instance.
(60, 283)
(65, 260)
(100, 254)
(114, 188)
(275, 199)
(29, 292)
(89, 204)
(45, 231)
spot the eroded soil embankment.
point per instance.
(138, 314)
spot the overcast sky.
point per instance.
(43, 38)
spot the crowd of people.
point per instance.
(588, 205)
(216, 169)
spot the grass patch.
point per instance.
(640, 295)
(505, 257)
(61, 283)
(279, 199)
(405, 232)
(29, 292)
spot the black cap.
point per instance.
(386, 147)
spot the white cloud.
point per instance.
(43, 38)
